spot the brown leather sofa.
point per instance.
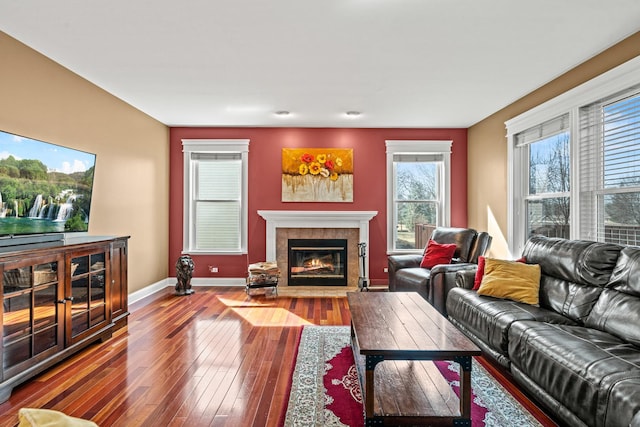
(406, 275)
(578, 352)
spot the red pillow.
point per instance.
(480, 271)
(437, 253)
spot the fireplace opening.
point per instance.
(317, 262)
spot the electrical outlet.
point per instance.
(213, 269)
(386, 270)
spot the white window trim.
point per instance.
(417, 147)
(213, 146)
(607, 84)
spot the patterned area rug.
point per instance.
(325, 390)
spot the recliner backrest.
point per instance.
(480, 248)
(618, 308)
(464, 238)
(574, 272)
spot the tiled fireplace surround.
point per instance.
(350, 225)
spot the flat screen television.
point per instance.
(45, 188)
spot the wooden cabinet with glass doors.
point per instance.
(88, 291)
(56, 301)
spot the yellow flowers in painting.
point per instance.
(317, 175)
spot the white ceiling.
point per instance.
(402, 63)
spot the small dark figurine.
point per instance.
(184, 271)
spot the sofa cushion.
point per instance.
(574, 273)
(511, 280)
(618, 308)
(490, 318)
(593, 373)
(437, 253)
(579, 261)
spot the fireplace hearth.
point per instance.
(317, 262)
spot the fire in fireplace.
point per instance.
(317, 262)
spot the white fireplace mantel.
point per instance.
(317, 219)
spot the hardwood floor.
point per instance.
(215, 358)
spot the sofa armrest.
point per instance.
(454, 268)
(465, 279)
(398, 262)
(443, 279)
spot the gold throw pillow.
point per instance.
(511, 280)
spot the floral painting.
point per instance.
(317, 175)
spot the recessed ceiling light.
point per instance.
(353, 113)
(282, 113)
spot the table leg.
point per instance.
(370, 363)
(368, 393)
(465, 390)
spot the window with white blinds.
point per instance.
(418, 192)
(590, 180)
(610, 169)
(215, 183)
(546, 160)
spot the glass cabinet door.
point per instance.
(119, 291)
(32, 314)
(88, 293)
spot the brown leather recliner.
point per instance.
(406, 275)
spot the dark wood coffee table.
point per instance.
(392, 334)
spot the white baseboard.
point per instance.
(148, 290)
(195, 282)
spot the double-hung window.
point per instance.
(215, 188)
(574, 163)
(418, 192)
(610, 160)
(546, 177)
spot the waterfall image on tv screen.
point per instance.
(44, 188)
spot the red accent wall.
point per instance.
(265, 149)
